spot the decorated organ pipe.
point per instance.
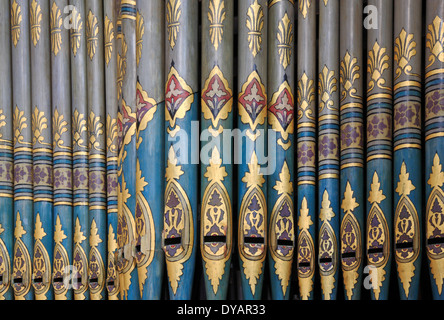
(306, 148)
(280, 188)
(127, 122)
(6, 155)
(407, 146)
(434, 144)
(102, 104)
(62, 152)
(216, 235)
(23, 153)
(379, 205)
(79, 112)
(42, 149)
(352, 146)
(181, 174)
(328, 149)
(110, 13)
(96, 119)
(252, 122)
(150, 170)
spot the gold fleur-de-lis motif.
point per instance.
(173, 16)
(304, 6)
(78, 128)
(109, 37)
(20, 123)
(216, 16)
(56, 29)
(140, 31)
(435, 41)
(255, 24)
(39, 122)
(405, 50)
(327, 86)
(121, 67)
(325, 2)
(59, 127)
(2, 121)
(76, 30)
(378, 62)
(92, 31)
(306, 96)
(96, 128)
(349, 73)
(16, 20)
(35, 20)
(285, 40)
(111, 136)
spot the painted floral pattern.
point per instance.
(328, 147)
(408, 114)
(435, 104)
(306, 154)
(378, 126)
(62, 178)
(351, 136)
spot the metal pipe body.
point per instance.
(150, 183)
(79, 116)
(62, 152)
(6, 155)
(434, 150)
(252, 122)
(379, 149)
(407, 144)
(281, 85)
(42, 149)
(306, 147)
(352, 146)
(111, 13)
(23, 183)
(94, 27)
(181, 110)
(328, 149)
(127, 122)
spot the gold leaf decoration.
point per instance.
(78, 127)
(20, 122)
(35, 21)
(327, 86)
(59, 127)
(349, 73)
(306, 96)
(112, 132)
(96, 128)
(39, 122)
(92, 31)
(76, 31)
(2, 121)
(255, 24)
(140, 31)
(109, 37)
(404, 51)
(16, 20)
(216, 16)
(285, 40)
(304, 6)
(121, 67)
(435, 41)
(173, 15)
(56, 29)
(378, 62)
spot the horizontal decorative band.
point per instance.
(407, 83)
(407, 146)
